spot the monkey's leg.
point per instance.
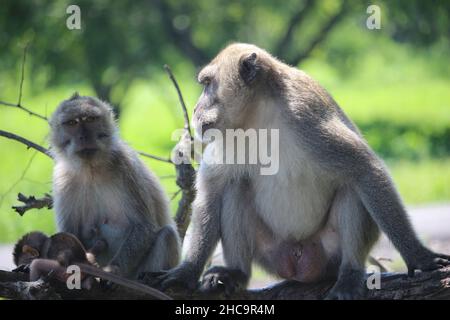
(42, 267)
(377, 192)
(358, 232)
(206, 212)
(237, 243)
(345, 153)
(164, 253)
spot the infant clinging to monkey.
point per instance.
(41, 255)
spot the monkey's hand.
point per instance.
(427, 261)
(108, 285)
(25, 268)
(185, 276)
(221, 279)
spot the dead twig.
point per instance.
(19, 100)
(180, 97)
(184, 170)
(26, 142)
(32, 202)
(151, 156)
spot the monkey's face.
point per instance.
(28, 254)
(82, 127)
(229, 85)
(28, 248)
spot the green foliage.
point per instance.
(394, 82)
(422, 182)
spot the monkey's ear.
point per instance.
(30, 250)
(248, 68)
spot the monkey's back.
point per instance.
(64, 242)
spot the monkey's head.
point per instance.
(82, 127)
(29, 247)
(230, 83)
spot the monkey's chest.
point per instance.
(88, 208)
(294, 203)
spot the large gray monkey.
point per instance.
(319, 215)
(102, 190)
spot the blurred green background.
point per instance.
(393, 82)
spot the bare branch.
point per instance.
(19, 100)
(175, 194)
(186, 181)
(18, 106)
(15, 285)
(148, 155)
(22, 176)
(23, 74)
(393, 286)
(295, 20)
(187, 125)
(321, 35)
(26, 142)
(184, 169)
(32, 203)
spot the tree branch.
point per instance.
(393, 286)
(187, 126)
(32, 203)
(184, 170)
(151, 156)
(14, 285)
(19, 100)
(285, 42)
(26, 142)
(321, 35)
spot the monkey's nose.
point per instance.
(84, 138)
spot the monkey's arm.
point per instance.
(205, 231)
(205, 235)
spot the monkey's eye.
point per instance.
(91, 119)
(206, 81)
(71, 122)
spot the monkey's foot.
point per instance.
(221, 279)
(349, 286)
(428, 262)
(151, 279)
(107, 285)
(183, 277)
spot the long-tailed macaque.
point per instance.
(319, 215)
(102, 189)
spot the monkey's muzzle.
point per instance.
(87, 152)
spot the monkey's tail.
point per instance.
(96, 272)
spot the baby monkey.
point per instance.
(42, 255)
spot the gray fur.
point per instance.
(110, 194)
(331, 187)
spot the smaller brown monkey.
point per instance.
(42, 255)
